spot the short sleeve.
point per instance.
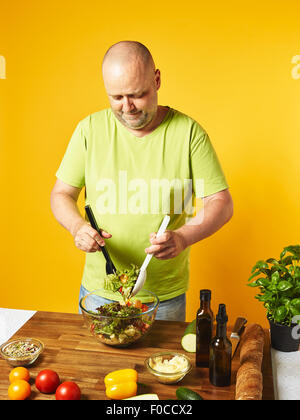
(72, 168)
(207, 174)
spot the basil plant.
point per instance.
(279, 285)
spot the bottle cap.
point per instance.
(205, 294)
(222, 315)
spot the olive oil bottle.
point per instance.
(204, 329)
(220, 352)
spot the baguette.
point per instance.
(249, 384)
(252, 345)
(249, 380)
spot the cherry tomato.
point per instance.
(19, 373)
(19, 390)
(138, 304)
(144, 308)
(123, 278)
(47, 381)
(68, 391)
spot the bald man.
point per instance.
(139, 161)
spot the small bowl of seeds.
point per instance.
(21, 351)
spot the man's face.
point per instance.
(132, 92)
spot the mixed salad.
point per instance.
(122, 281)
(125, 322)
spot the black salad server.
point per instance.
(110, 268)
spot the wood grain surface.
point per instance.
(76, 356)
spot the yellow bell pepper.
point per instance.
(121, 384)
(121, 391)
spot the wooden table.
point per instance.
(76, 356)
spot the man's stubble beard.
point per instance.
(140, 123)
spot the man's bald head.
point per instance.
(125, 51)
(131, 82)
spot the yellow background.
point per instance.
(226, 64)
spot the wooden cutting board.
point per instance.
(76, 356)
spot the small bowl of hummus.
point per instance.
(168, 367)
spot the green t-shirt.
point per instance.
(132, 182)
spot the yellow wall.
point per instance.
(227, 64)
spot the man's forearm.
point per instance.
(209, 220)
(66, 211)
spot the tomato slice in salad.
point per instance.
(138, 304)
(123, 282)
(123, 278)
(144, 307)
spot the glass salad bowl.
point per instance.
(117, 324)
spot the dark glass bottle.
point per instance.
(204, 329)
(220, 352)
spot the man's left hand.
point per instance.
(168, 245)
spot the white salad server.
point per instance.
(143, 273)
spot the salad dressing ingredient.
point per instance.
(168, 367)
(204, 329)
(175, 365)
(220, 352)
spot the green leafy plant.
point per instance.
(279, 285)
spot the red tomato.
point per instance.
(138, 304)
(47, 381)
(68, 391)
(144, 308)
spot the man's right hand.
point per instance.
(64, 206)
(88, 239)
